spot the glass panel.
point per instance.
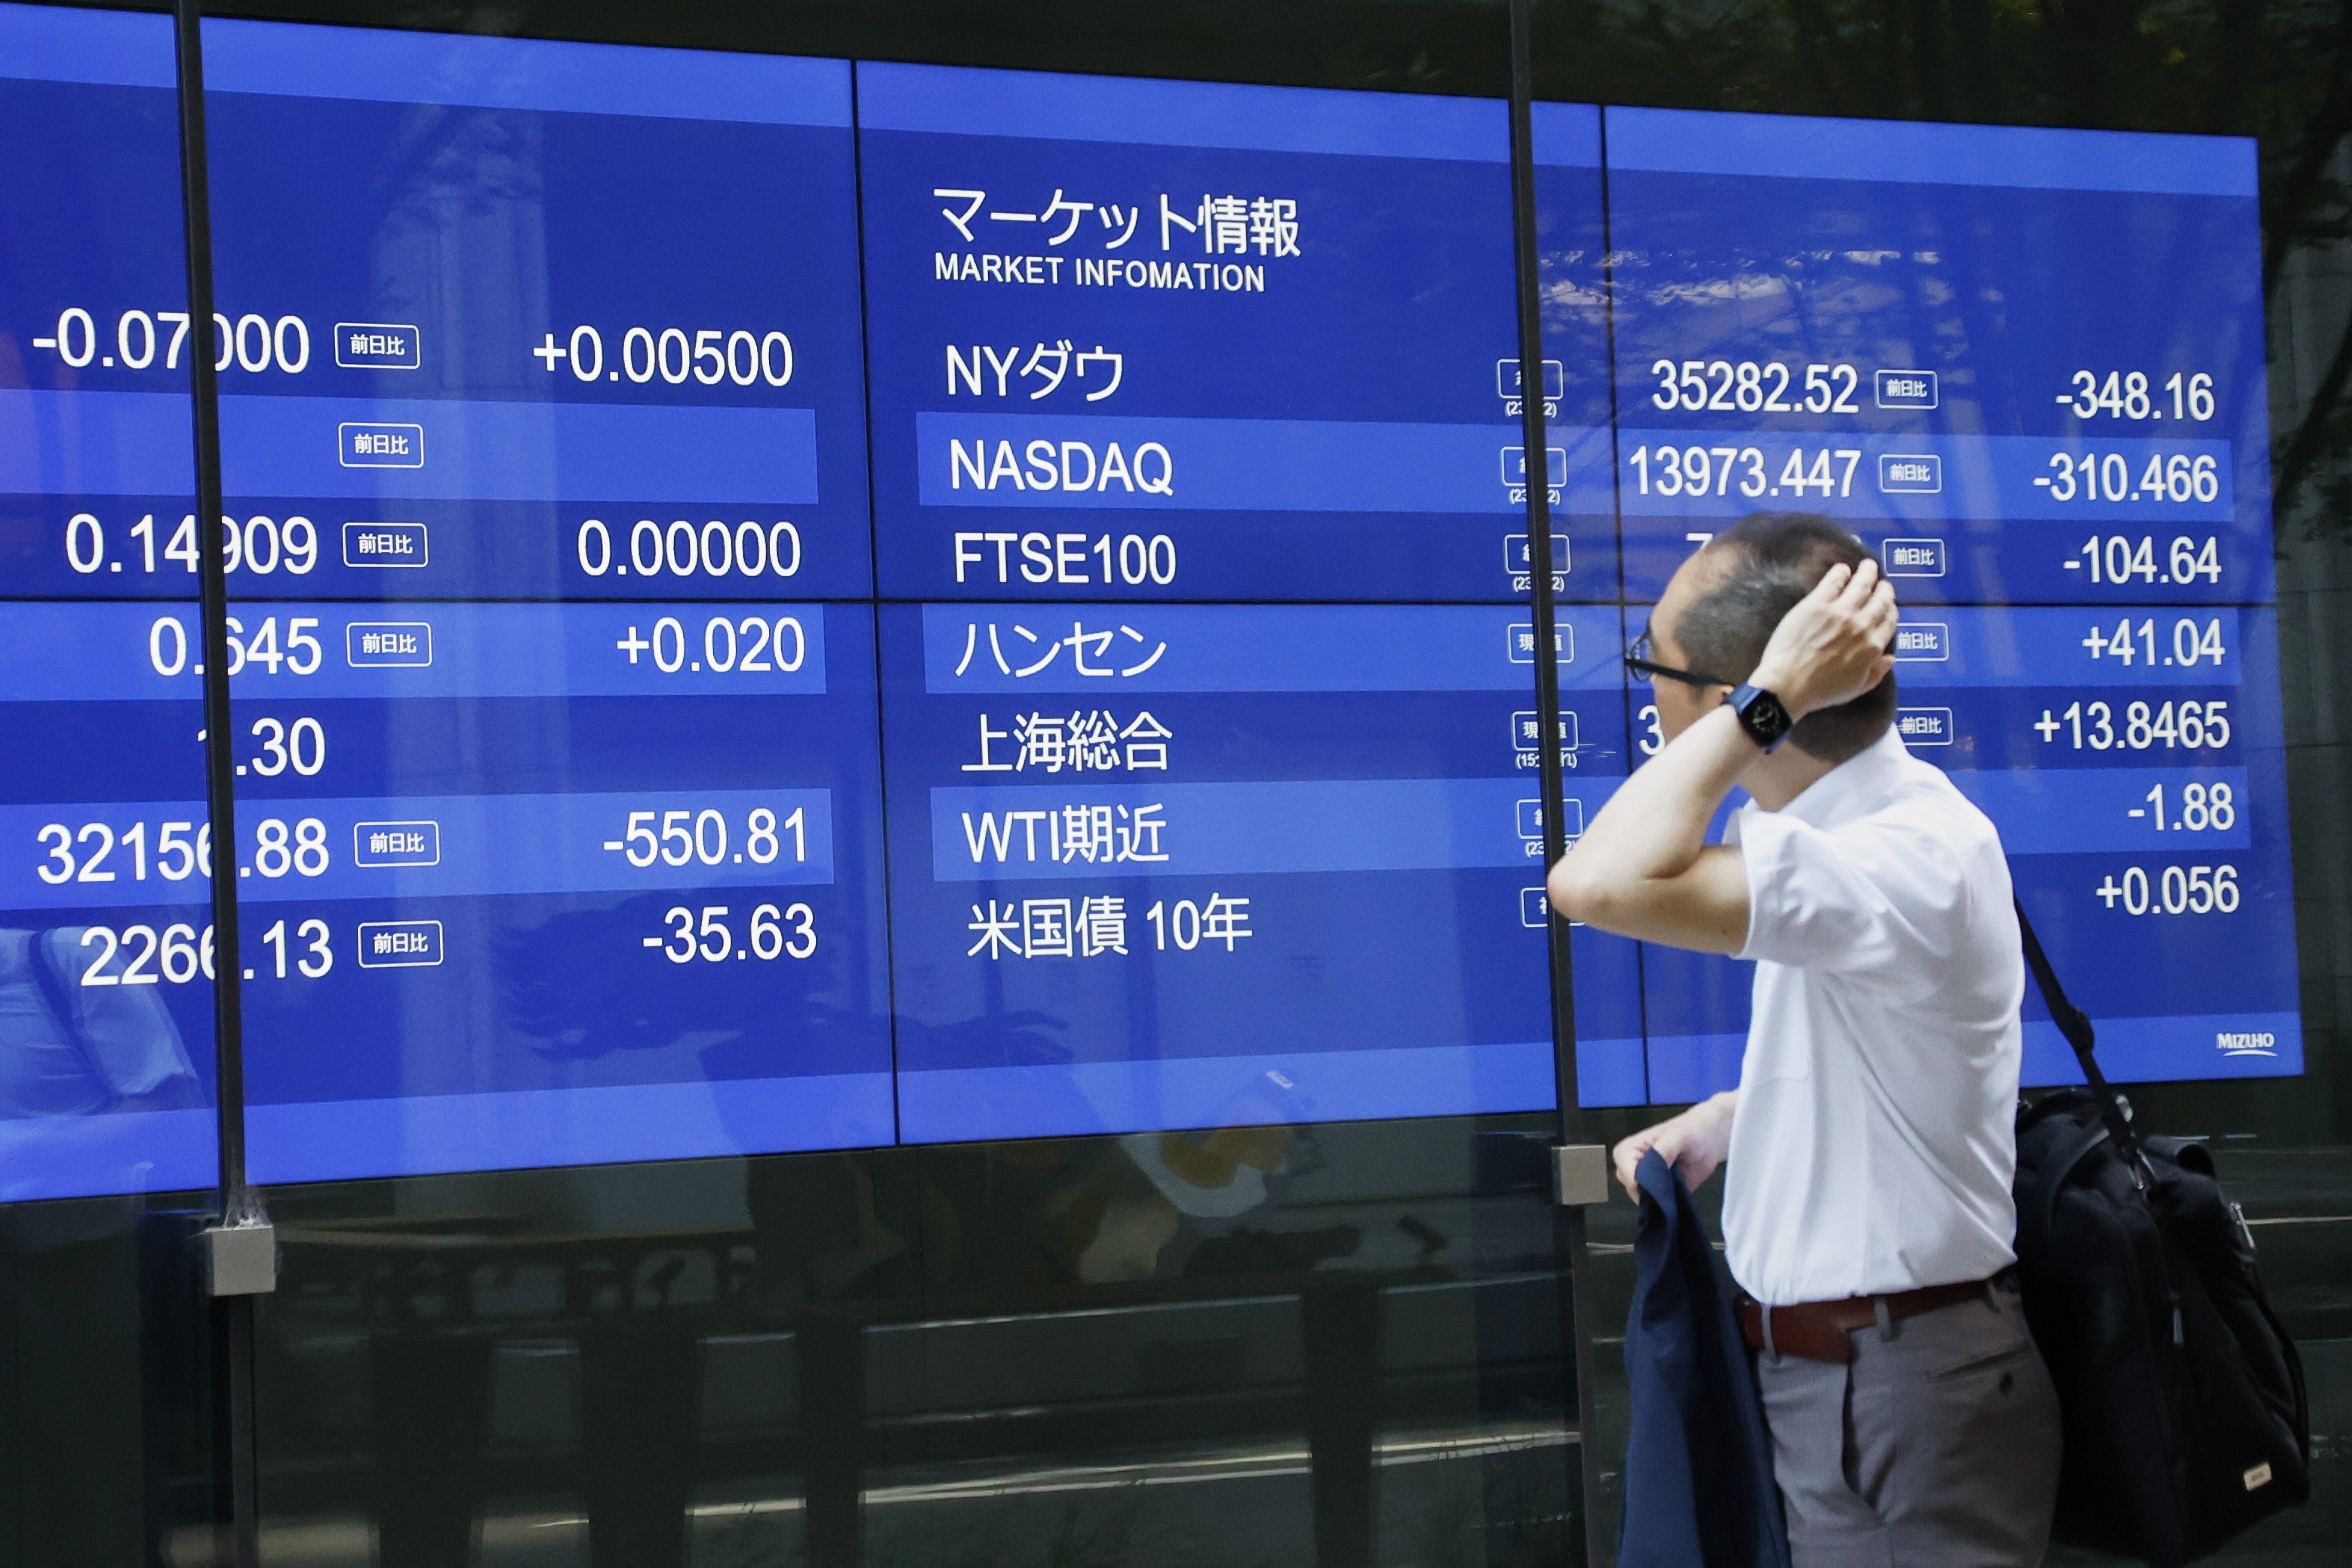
(1347, 1350)
(2157, 283)
(1217, 864)
(559, 834)
(577, 870)
(106, 1009)
(109, 1017)
(1806, 323)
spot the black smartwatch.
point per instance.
(1760, 714)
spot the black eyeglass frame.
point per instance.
(1639, 665)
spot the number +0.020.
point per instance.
(749, 647)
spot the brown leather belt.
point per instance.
(1822, 1330)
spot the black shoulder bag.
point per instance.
(2182, 1393)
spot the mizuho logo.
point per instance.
(2247, 1044)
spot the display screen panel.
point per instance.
(106, 1006)
(555, 310)
(1197, 865)
(558, 832)
(2026, 366)
(1245, 858)
(1136, 340)
(1182, 632)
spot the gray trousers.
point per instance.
(1936, 1448)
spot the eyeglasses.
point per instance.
(1638, 660)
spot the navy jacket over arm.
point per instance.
(1698, 1465)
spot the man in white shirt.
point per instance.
(1866, 1207)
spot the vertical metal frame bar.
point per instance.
(232, 1315)
(212, 578)
(1569, 1220)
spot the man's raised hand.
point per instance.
(1833, 645)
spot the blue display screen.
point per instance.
(104, 1086)
(2026, 366)
(1975, 345)
(1157, 340)
(1281, 871)
(779, 604)
(598, 801)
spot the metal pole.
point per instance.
(212, 581)
(1569, 1218)
(232, 1312)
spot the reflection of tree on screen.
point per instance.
(748, 1020)
(71, 1049)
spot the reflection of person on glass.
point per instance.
(1869, 1145)
(71, 1049)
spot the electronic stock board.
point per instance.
(2027, 367)
(780, 605)
(1253, 860)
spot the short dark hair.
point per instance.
(1770, 559)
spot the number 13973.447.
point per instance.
(1723, 470)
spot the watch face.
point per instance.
(1761, 715)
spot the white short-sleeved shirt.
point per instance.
(1873, 1148)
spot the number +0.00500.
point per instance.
(712, 939)
(739, 356)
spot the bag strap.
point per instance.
(2075, 1024)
